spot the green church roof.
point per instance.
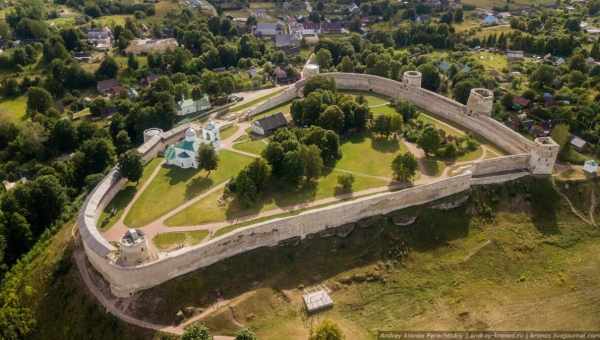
(185, 145)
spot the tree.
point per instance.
(462, 89)
(381, 125)
(346, 65)
(404, 167)
(332, 119)
(245, 189)
(196, 332)
(132, 62)
(245, 334)
(430, 76)
(64, 135)
(207, 158)
(313, 163)
(293, 167)
(326, 330)
(122, 141)
(130, 165)
(560, 134)
(319, 83)
(324, 58)
(429, 140)
(259, 172)
(108, 69)
(274, 155)
(38, 100)
(345, 182)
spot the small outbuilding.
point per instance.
(317, 301)
(578, 143)
(267, 125)
(590, 167)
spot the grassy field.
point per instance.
(112, 20)
(283, 108)
(209, 210)
(13, 109)
(251, 146)
(372, 99)
(228, 131)
(514, 257)
(168, 241)
(370, 156)
(492, 61)
(173, 186)
(114, 210)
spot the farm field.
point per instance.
(13, 109)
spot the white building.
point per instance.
(590, 167)
(190, 106)
(183, 154)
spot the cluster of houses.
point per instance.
(185, 106)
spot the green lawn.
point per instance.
(112, 20)
(370, 156)
(13, 109)
(372, 99)
(209, 210)
(387, 109)
(252, 146)
(113, 211)
(492, 61)
(173, 186)
(284, 108)
(229, 131)
(167, 241)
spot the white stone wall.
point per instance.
(527, 157)
(125, 280)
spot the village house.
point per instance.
(332, 28)
(520, 102)
(149, 46)
(190, 106)
(515, 55)
(578, 143)
(100, 38)
(267, 125)
(147, 80)
(266, 29)
(311, 28)
(110, 87)
(287, 43)
(590, 167)
(490, 20)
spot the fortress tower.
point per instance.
(149, 133)
(481, 102)
(412, 79)
(134, 248)
(543, 156)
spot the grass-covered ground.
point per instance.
(114, 210)
(255, 146)
(13, 109)
(228, 131)
(247, 104)
(513, 257)
(492, 61)
(173, 186)
(167, 241)
(370, 155)
(209, 210)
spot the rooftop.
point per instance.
(317, 301)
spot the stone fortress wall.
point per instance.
(526, 157)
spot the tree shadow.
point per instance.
(177, 175)
(384, 144)
(545, 202)
(197, 186)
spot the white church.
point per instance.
(183, 154)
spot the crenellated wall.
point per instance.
(526, 157)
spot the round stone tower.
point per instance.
(149, 133)
(134, 248)
(412, 79)
(310, 70)
(543, 156)
(481, 102)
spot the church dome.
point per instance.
(190, 135)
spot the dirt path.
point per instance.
(119, 228)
